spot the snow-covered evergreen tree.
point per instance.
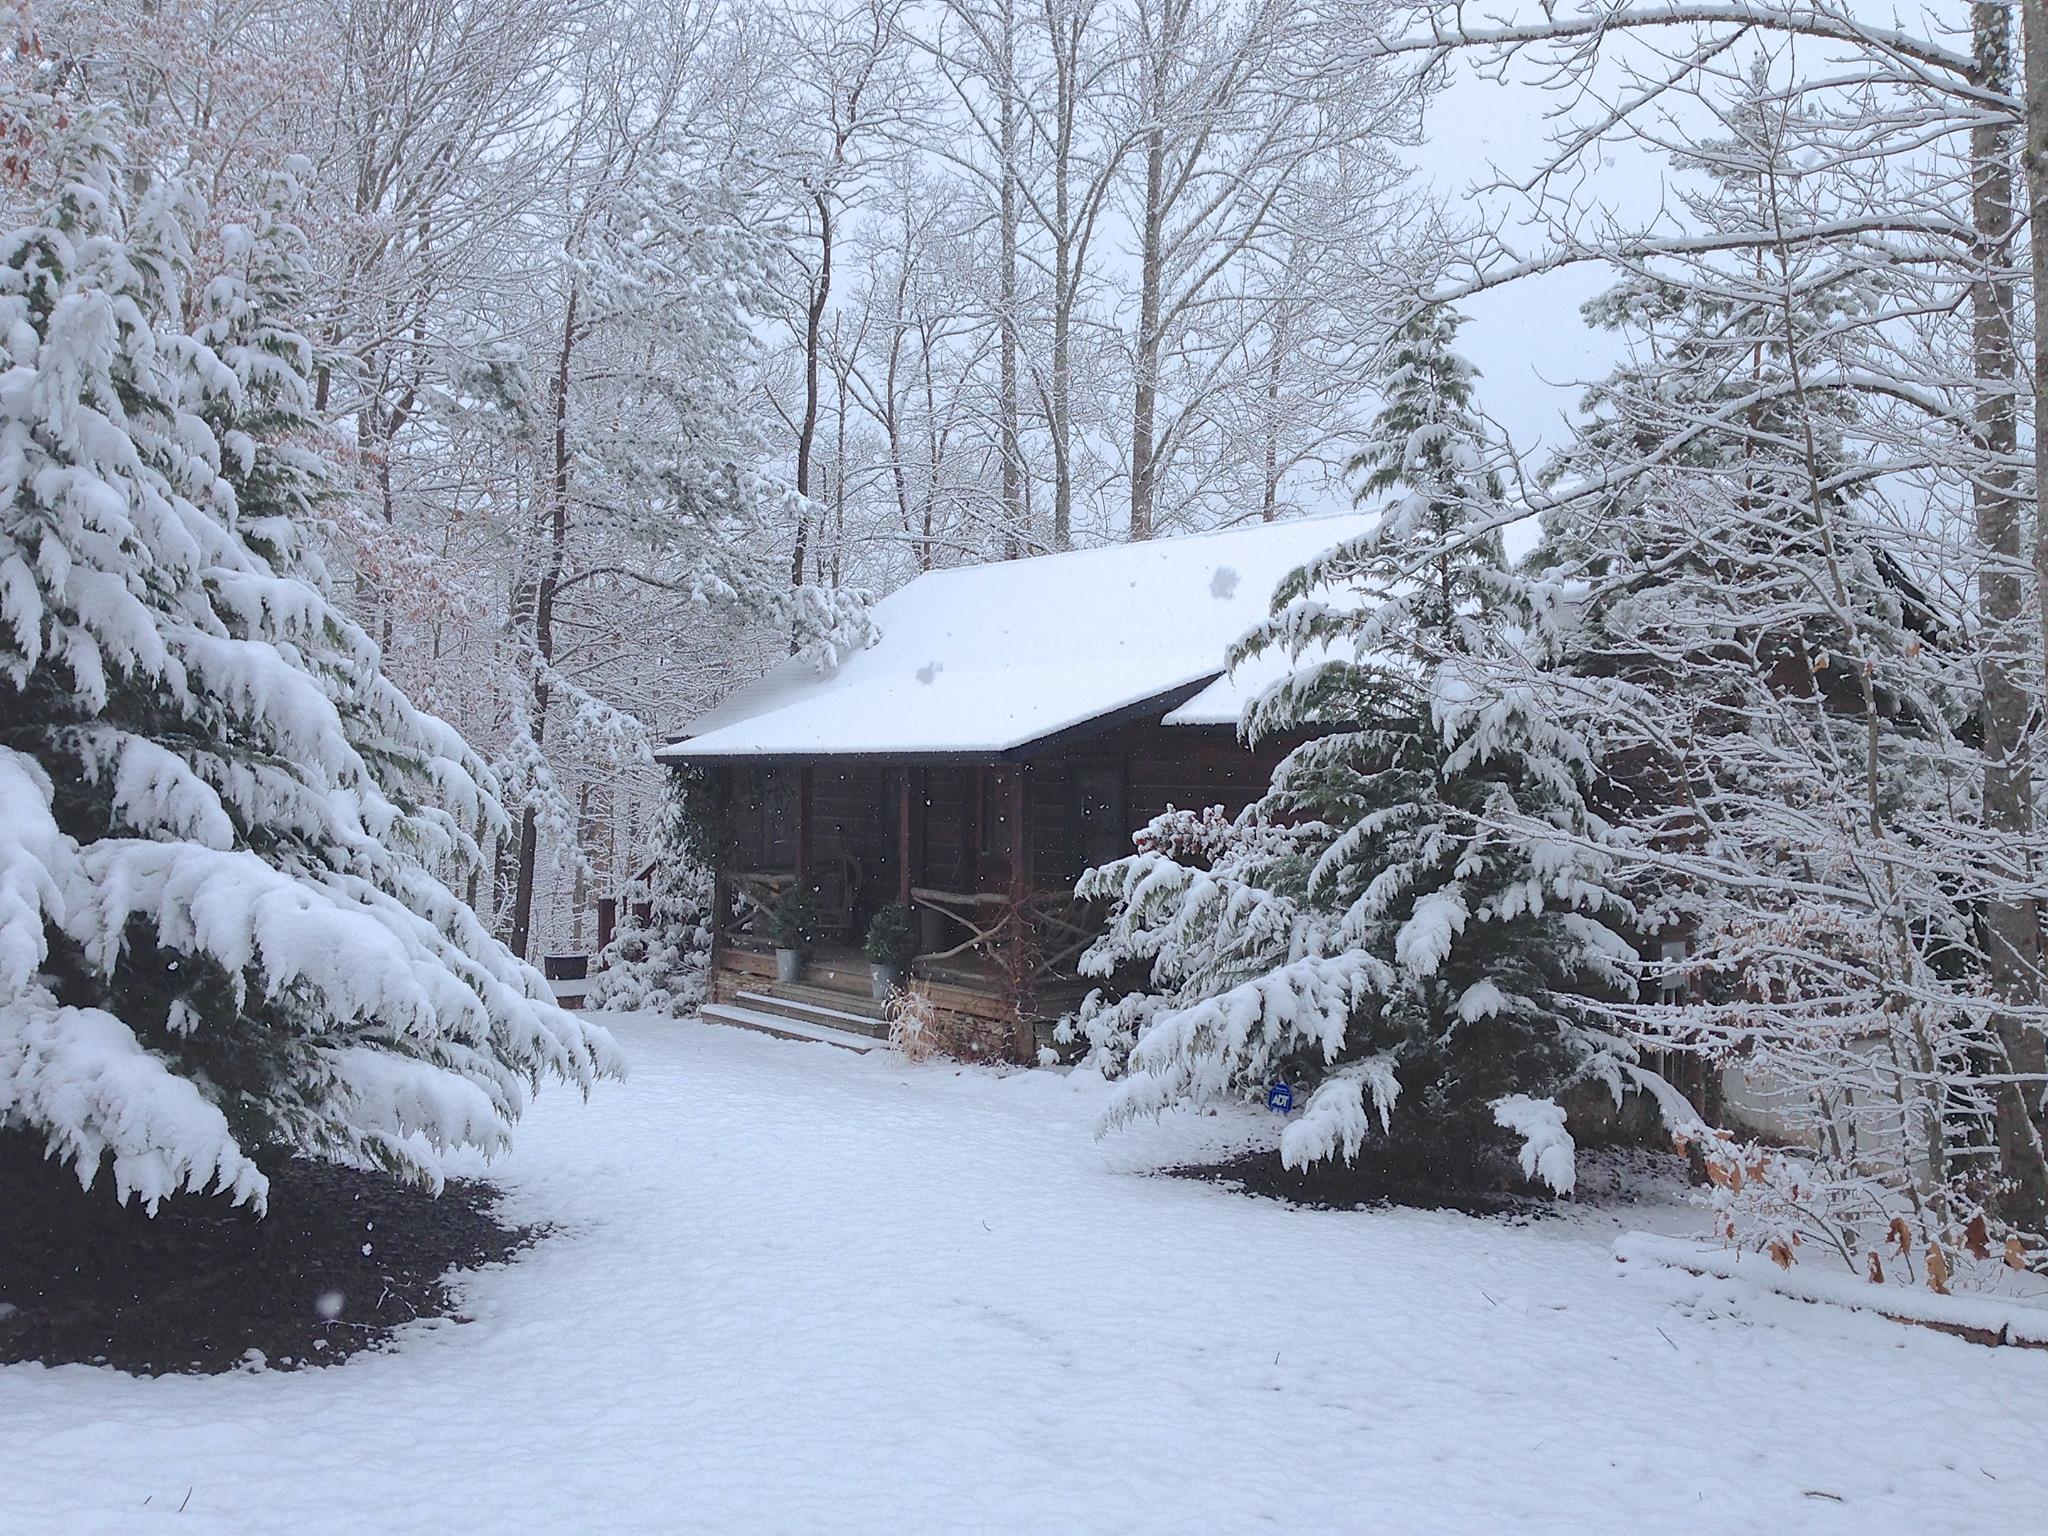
(222, 931)
(661, 962)
(1369, 927)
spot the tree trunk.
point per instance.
(1269, 505)
(579, 895)
(2011, 924)
(1064, 281)
(1012, 451)
(838, 566)
(933, 451)
(892, 425)
(2034, 157)
(807, 434)
(1062, 401)
(544, 621)
(1145, 398)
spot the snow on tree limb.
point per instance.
(1337, 1119)
(1548, 1154)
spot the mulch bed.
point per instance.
(344, 1257)
(1363, 1185)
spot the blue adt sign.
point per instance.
(1280, 1099)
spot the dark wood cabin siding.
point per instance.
(948, 799)
(853, 846)
(1146, 767)
(1047, 796)
(1190, 767)
(763, 817)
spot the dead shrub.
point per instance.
(920, 1029)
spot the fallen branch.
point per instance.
(1991, 1320)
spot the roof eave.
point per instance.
(1154, 706)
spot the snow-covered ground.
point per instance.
(799, 1290)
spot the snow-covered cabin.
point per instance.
(1015, 724)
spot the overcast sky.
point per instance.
(1534, 352)
(1531, 346)
(1529, 340)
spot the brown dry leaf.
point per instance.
(1937, 1269)
(1780, 1254)
(1902, 1235)
(1977, 1237)
(1876, 1269)
(2015, 1253)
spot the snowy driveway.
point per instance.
(808, 1291)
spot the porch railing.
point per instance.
(1026, 944)
(755, 893)
(1053, 928)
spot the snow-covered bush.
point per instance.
(1369, 928)
(221, 924)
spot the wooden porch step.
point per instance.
(861, 1021)
(785, 1028)
(847, 999)
(835, 976)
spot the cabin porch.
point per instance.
(983, 855)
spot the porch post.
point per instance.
(803, 825)
(970, 860)
(724, 857)
(1020, 843)
(903, 881)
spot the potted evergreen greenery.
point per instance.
(890, 948)
(794, 923)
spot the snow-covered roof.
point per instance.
(985, 659)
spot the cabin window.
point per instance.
(991, 821)
(1101, 820)
(1671, 984)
